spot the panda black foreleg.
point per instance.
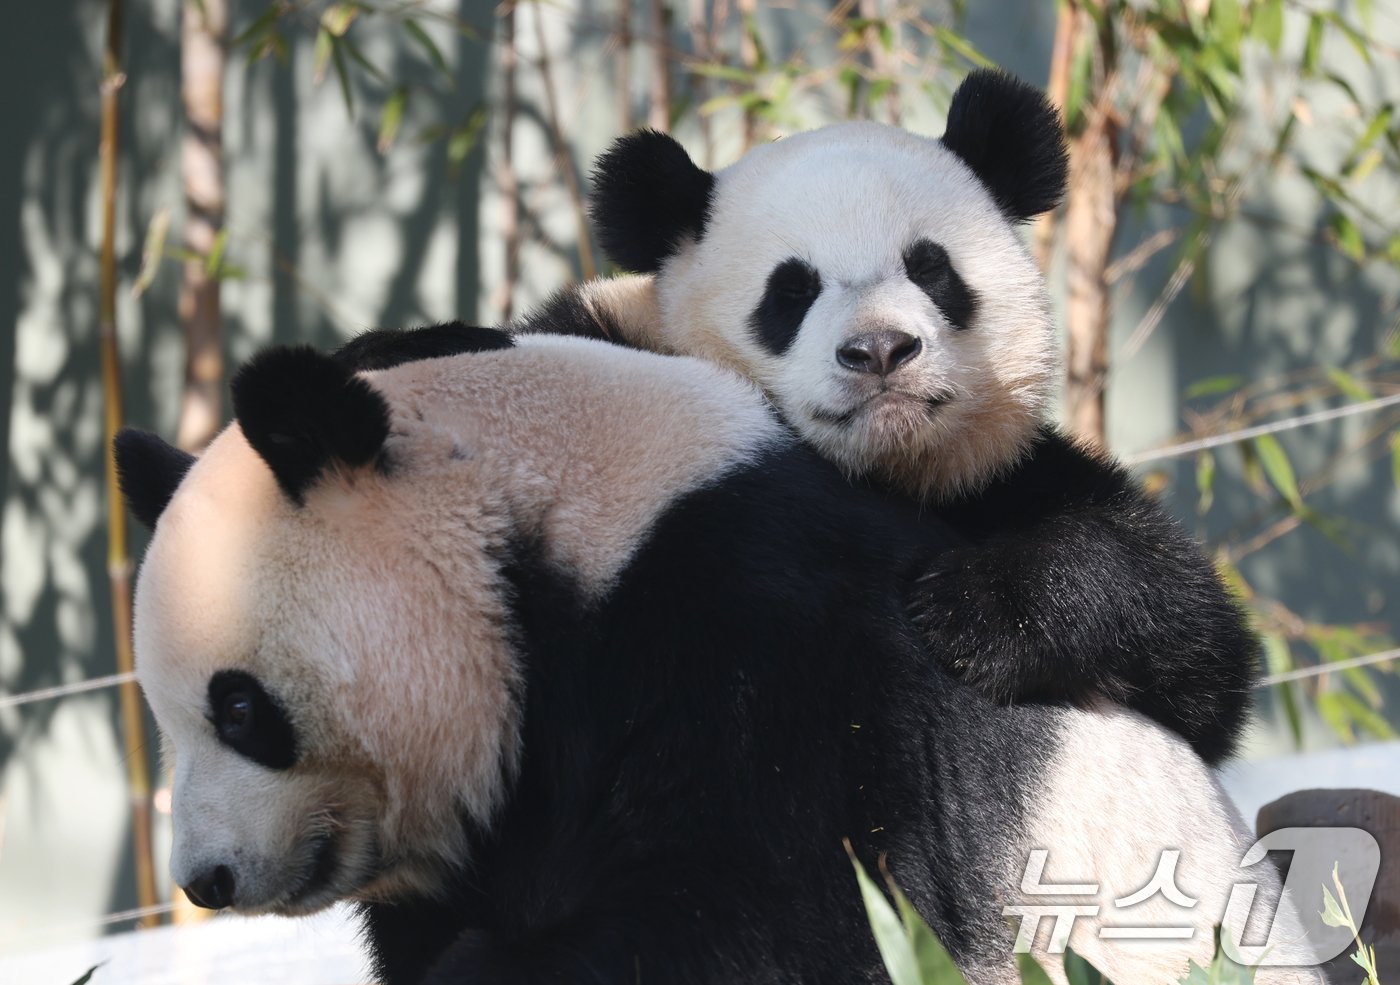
(1095, 602)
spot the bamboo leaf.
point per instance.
(1214, 386)
(261, 25)
(337, 18)
(1268, 24)
(1205, 481)
(430, 48)
(1368, 718)
(934, 964)
(215, 260)
(342, 74)
(152, 252)
(1031, 971)
(1395, 458)
(1349, 384)
(1348, 236)
(391, 118)
(1312, 47)
(87, 975)
(321, 55)
(894, 945)
(953, 41)
(465, 137)
(358, 56)
(1357, 39)
(1278, 468)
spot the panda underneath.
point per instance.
(874, 284)
(569, 664)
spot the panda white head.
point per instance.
(285, 616)
(872, 281)
(323, 623)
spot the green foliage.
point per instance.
(1336, 912)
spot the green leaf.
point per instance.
(732, 73)
(1081, 972)
(1292, 710)
(953, 41)
(1268, 24)
(1312, 47)
(1348, 236)
(152, 252)
(87, 975)
(935, 966)
(896, 949)
(353, 50)
(1379, 125)
(214, 262)
(1334, 713)
(1395, 458)
(1278, 468)
(342, 74)
(1357, 39)
(1205, 481)
(261, 25)
(391, 118)
(1332, 914)
(321, 55)
(1214, 386)
(1349, 384)
(337, 17)
(1364, 716)
(1031, 971)
(465, 137)
(430, 48)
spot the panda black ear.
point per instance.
(648, 198)
(304, 413)
(148, 470)
(1010, 135)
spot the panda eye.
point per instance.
(931, 270)
(792, 288)
(250, 721)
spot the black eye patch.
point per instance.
(792, 288)
(250, 721)
(929, 267)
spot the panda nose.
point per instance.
(881, 352)
(212, 890)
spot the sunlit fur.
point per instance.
(849, 199)
(387, 581)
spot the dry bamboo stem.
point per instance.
(203, 49)
(510, 185)
(118, 556)
(659, 117)
(563, 160)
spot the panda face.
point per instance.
(268, 635)
(324, 635)
(869, 282)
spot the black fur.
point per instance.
(648, 198)
(792, 288)
(927, 264)
(383, 348)
(564, 313)
(250, 721)
(148, 470)
(305, 412)
(1077, 584)
(1010, 136)
(697, 745)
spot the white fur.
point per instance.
(849, 199)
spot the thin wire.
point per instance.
(1288, 423)
(63, 690)
(1318, 670)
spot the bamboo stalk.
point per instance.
(203, 47)
(1061, 58)
(624, 63)
(563, 159)
(659, 115)
(510, 185)
(118, 556)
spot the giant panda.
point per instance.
(569, 664)
(874, 283)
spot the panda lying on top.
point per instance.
(874, 284)
(572, 665)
